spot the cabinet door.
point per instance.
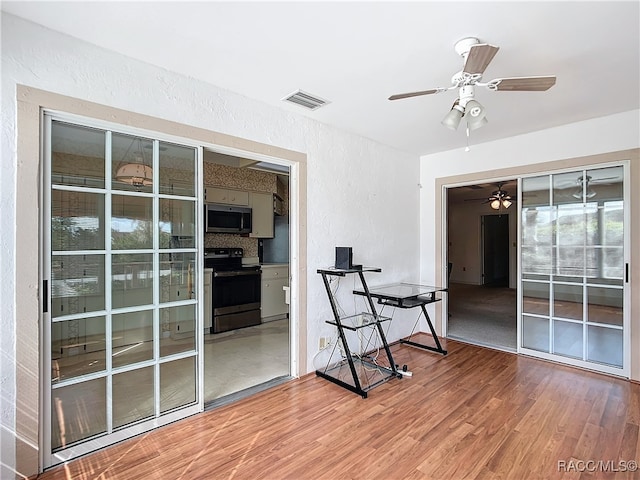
(225, 196)
(273, 298)
(261, 214)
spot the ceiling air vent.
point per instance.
(305, 100)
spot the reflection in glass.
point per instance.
(535, 191)
(177, 276)
(132, 280)
(177, 170)
(606, 183)
(177, 223)
(571, 224)
(133, 396)
(535, 298)
(535, 333)
(77, 284)
(537, 226)
(130, 150)
(132, 337)
(604, 305)
(613, 224)
(77, 155)
(131, 222)
(567, 188)
(78, 411)
(537, 260)
(77, 348)
(567, 339)
(177, 383)
(567, 301)
(178, 327)
(571, 261)
(77, 221)
(604, 345)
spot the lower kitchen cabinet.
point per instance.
(273, 306)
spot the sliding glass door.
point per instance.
(573, 269)
(120, 260)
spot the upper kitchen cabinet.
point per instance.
(261, 214)
(226, 196)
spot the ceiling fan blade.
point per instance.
(524, 83)
(479, 57)
(414, 94)
(599, 180)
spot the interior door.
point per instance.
(573, 269)
(120, 346)
(495, 250)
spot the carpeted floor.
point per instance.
(483, 314)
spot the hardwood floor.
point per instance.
(476, 413)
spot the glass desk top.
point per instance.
(405, 294)
(404, 290)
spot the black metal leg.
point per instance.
(439, 348)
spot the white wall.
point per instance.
(360, 193)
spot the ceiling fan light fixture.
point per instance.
(506, 203)
(476, 124)
(452, 119)
(495, 204)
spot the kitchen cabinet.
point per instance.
(261, 214)
(273, 305)
(225, 196)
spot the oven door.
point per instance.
(236, 299)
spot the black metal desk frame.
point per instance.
(421, 301)
(339, 322)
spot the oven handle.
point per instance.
(236, 273)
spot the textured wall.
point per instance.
(359, 193)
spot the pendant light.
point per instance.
(136, 173)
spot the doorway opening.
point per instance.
(482, 257)
(244, 357)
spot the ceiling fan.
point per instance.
(499, 198)
(584, 181)
(477, 57)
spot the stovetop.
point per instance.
(226, 259)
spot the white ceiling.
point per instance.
(357, 54)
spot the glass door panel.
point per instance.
(177, 170)
(133, 396)
(572, 264)
(122, 343)
(131, 338)
(78, 412)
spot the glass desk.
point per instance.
(409, 295)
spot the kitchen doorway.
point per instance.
(242, 358)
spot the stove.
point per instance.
(236, 289)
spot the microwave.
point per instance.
(227, 218)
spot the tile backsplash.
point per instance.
(223, 240)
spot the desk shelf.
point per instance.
(358, 374)
(361, 320)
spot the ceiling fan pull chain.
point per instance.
(467, 147)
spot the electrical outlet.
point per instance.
(324, 341)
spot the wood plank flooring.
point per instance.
(476, 413)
